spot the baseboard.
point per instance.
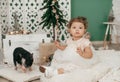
(97, 42)
(101, 42)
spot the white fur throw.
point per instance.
(18, 76)
(112, 76)
(109, 59)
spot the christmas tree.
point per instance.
(53, 16)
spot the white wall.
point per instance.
(116, 11)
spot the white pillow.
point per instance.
(17, 76)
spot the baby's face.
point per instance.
(77, 30)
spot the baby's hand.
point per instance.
(79, 50)
(57, 43)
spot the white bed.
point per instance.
(108, 61)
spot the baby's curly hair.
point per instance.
(78, 19)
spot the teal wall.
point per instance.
(96, 11)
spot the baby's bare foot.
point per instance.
(60, 71)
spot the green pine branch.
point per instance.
(52, 16)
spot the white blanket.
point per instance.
(109, 59)
(112, 76)
(85, 75)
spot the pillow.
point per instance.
(18, 76)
